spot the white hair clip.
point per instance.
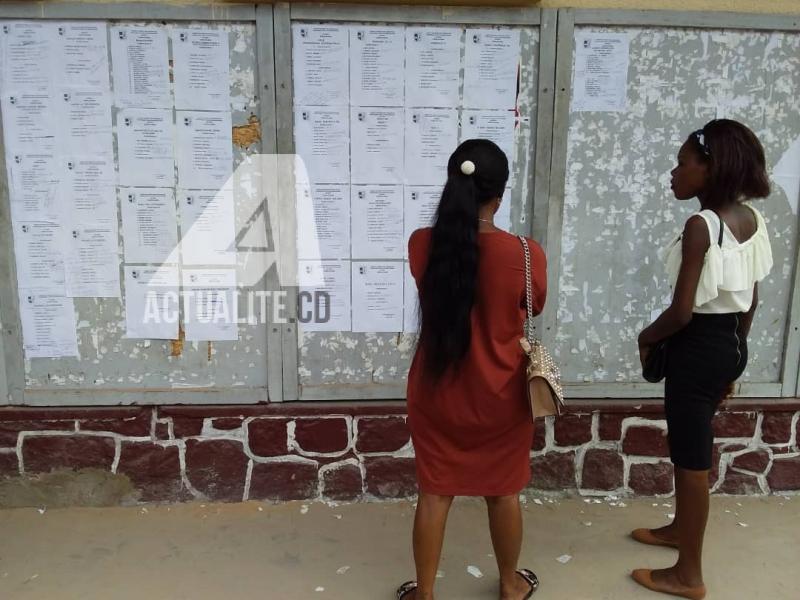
(467, 167)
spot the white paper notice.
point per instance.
(28, 55)
(202, 69)
(92, 261)
(88, 190)
(502, 218)
(377, 215)
(410, 302)
(420, 205)
(601, 72)
(48, 325)
(146, 154)
(141, 67)
(84, 120)
(324, 307)
(208, 229)
(491, 67)
(28, 123)
(82, 54)
(320, 60)
(323, 222)
(205, 149)
(321, 140)
(149, 225)
(210, 304)
(377, 57)
(377, 296)
(34, 187)
(433, 66)
(497, 126)
(377, 145)
(151, 302)
(431, 136)
(40, 262)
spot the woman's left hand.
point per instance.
(644, 352)
(726, 395)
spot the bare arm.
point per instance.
(677, 316)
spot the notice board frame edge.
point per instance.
(12, 376)
(687, 19)
(140, 11)
(287, 13)
(568, 20)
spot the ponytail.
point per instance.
(477, 173)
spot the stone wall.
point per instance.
(344, 452)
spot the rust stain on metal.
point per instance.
(209, 351)
(177, 345)
(247, 135)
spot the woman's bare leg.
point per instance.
(669, 533)
(505, 526)
(429, 525)
(691, 490)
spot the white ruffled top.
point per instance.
(731, 271)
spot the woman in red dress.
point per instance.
(467, 406)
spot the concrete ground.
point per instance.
(297, 551)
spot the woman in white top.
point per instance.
(714, 267)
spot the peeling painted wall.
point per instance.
(384, 358)
(619, 210)
(108, 360)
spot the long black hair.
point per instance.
(477, 173)
(737, 166)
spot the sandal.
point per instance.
(531, 579)
(406, 588)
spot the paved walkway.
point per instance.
(296, 552)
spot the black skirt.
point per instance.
(703, 359)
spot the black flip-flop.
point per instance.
(407, 588)
(531, 579)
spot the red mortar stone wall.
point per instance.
(344, 452)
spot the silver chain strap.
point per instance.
(528, 292)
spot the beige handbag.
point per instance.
(545, 394)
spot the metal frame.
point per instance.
(418, 15)
(12, 366)
(286, 13)
(690, 19)
(144, 396)
(568, 19)
(274, 81)
(791, 369)
(146, 11)
(265, 47)
(285, 145)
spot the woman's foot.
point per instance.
(521, 587)
(668, 581)
(663, 536)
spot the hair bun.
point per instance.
(467, 167)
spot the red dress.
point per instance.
(472, 431)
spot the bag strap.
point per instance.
(721, 224)
(528, 290)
